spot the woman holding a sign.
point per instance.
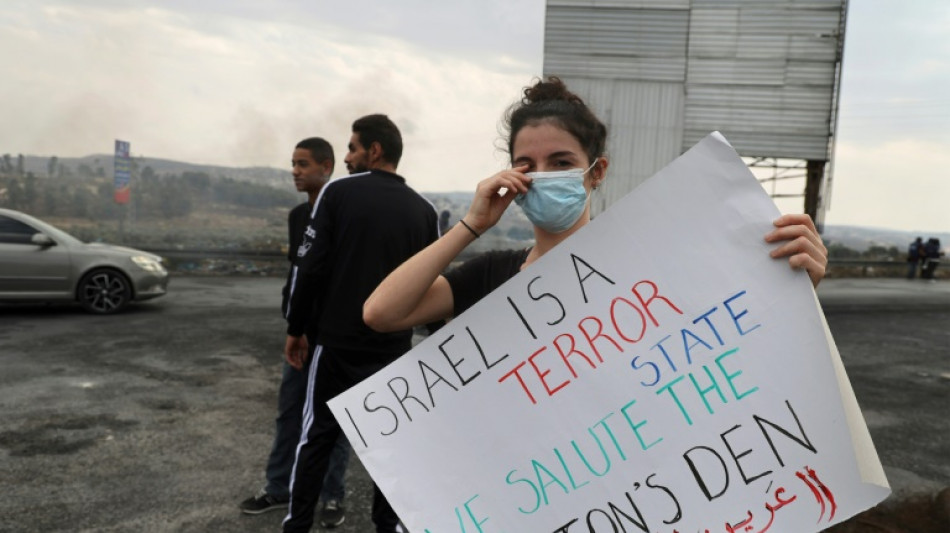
(557, 149)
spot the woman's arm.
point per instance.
(801, 244)
(415, 293)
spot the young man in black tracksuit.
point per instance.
(312, 162)
(362, 227)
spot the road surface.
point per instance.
(160, 419)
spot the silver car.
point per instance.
(40, 263)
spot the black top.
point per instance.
(297, 221)
(474, 279)
(364, 226)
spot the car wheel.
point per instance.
(104, 291)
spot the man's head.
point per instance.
(375, 144)
(312, 164)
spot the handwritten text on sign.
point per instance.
(655, 372)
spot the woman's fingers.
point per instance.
(795, 225)
(512, 180)
(490, 203)
(800, 242)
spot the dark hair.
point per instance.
(550, 101)
(379, 129)
(319, 148)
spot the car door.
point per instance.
(28, 269)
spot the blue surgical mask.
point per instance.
(555, 200)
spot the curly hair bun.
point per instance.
(552, 89)
(549, 100)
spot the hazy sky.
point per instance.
(239, 82)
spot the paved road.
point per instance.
(160, 419)
(894, 339)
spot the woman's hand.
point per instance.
(415, 293)
(488, 204)
(801, 244)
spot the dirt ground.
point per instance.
(160, 419)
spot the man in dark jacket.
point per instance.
(931, 261)
(363, 226)
(915, 256)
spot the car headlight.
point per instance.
(147, 263)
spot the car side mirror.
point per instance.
(43, 240)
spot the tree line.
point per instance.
(86, 192)
(875, 252)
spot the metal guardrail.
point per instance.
(866, 263)
(217, 253)
(846, 267)
(218, 261)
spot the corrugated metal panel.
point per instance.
(744, 118)
(627, 4)
(613, 67)
(765, 144)
(764, 33)
(794, 121)
(810, 73)
(804, 4)
(643, 44)
(729, 44)
(775, 72)
(760, 97)
(761, 71)
(598, 94)
(814, 48)
(734, 72)
(776, 18)
(643, 32)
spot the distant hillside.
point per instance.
(101, 165)
(513, 231)
(860, 238)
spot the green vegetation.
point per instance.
(185, 206)
(181, 210)
(872, 253)
(89, 195)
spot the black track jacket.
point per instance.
(361, 228)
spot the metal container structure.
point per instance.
(663, 74)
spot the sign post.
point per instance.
(122, 163)
(122, 189)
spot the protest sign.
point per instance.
(656, 372)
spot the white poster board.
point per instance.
(657, 371)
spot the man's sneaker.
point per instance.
(332, 514)
(262, 502)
